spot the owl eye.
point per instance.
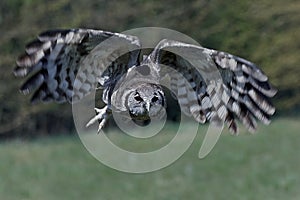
(154, 99)
(138, 98)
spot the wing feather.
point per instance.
(66, 59)
(227, 87)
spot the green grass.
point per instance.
(261, 166)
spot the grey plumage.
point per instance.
(210, 85)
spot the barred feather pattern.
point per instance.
(242, 93)
(189, 88)
(66, 65)
(211, 86)
(245, 89)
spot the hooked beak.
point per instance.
(148, 106)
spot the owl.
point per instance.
(210, 85)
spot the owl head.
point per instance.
(145, 102)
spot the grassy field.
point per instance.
(261, 166)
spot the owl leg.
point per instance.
(102, 115)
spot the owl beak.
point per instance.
(148, 106)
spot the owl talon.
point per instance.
(102, 115)
(101, 124)
(98, 110)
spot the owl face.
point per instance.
(145, 102)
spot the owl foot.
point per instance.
(102, 116)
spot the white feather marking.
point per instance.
(60, 40)
(38, 56)
(235, 94)
(206, 103)
(182, 91)
(181, 82)
(82, 76)
(195, 110)
(33, 49)
(191, 95)
(225, 97)
(215, 100)
(265, 106)
(236, 108)
(77, 84)
(91, 78)
(241, 79)
(222, 112)
(86, 87)
(232, 64)
(256, 111)
(69, 37)
(246, 69)
(224, 62)
(183, 101)
(192, 84)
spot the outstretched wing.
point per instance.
(216, 86)
(65, 65)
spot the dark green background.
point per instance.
(266, 32)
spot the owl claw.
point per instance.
(98, 110)
(101, 124)
(102, 115)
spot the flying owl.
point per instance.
(210, 86)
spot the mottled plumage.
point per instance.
(213, 86)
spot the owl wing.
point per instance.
(65, 65)
(216, 86)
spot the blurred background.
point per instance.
(42, 158)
